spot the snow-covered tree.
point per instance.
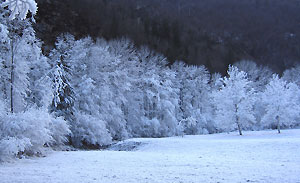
(159, 98)
(168, 102)
(282, 103)
(258, 75)
(40, 83)
(179, 68)
(103, 69)
(234, 102)
(15, 56)
(193, 87)
(197, 86)
(215, 82)
(89, 131)
(4, 76)
(63, 101)
(26, 127)
(20, 8)
(129, 83)
(188, 126)
(292, 75)
(76, 90)
(89, 127)
(28, 132)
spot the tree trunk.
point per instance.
(12, 79)
(278, 123)
(239, 127)
(238, 120)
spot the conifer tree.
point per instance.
(63, 99)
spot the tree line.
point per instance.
(89, 93)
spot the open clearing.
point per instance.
(263, 156)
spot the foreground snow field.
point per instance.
(255, 157)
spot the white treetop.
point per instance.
(20, 8)
(258, 75)
(292, 75)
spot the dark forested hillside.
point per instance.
(210, 32)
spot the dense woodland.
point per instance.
(213, 33)
(91, 92)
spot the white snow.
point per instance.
(255, 157)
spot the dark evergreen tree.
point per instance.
(63, 96)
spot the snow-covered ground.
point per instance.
(255, 157)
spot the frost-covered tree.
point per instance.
(88, 128)
(4, 76)
(77, 80)
(22, 65)
(168, 102)
(26, 127)
(282, 103)
(25, 124)
(179, 68)
(15, 63)
(292, 75)
(234, 102)
(258, 75)
(159, 98)
(89, 131)
(193, 88)
(40, 94)
(63, 99)
(28, 133)
(215, 81)
(198, 89)
(129, 83)
(215, 84)
(188, 126)
(103, 68)
(20, 8)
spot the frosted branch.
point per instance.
(20, 8)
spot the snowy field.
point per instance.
(255, 157)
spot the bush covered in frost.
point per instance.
(28, 133)
(88, 130)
